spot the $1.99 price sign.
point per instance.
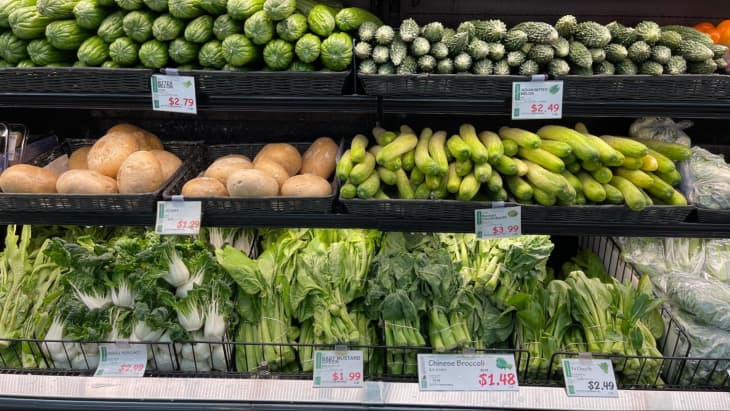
(178, 217)
(174, 93)
(498, 222)
(537, 99)
(453, 372)
(589, 378)
(338, 369)
(121, 360)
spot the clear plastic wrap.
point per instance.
(684, 255)
(706, 298)
(717, 259)
(662, 129)
(706, 179)
(646, 254)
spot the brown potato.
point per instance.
(204, 187)
(285, 154)
(252, 183)
(320, 158)
(224, 166)
(147, 140)
(140, 173)
(306, 185)
(85, 182)
(169, 162)
(110, 151)
(77, 160)
(25, 178)
(274, 169)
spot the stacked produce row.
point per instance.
(210, 34)
(306, 287)
(556, 165)
(569, 47)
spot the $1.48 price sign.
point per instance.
(498, 222)
(121, 360)
(537, 99)
(174, 93)
(338, 369)
(453, 372)
(178, 217)
(589, 378)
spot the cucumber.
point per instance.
(500, 195)
(613, 194)
(603, 175)
(544, 158)
(557, 148)
(469, 188)
(437, 150)
(408, 160)
(521, 166)
(380, 195)
(344, 166)
(580, 199)
(664, 163)
(422, 192)
(678, 199)
(543, 197)
(405, 190)
(385, 138)
(520, 188)
(572, 180)
(479, 153)
(608, 155)
(493, 143)
(633, 196)
(454, 181)
(591, 165)
(577, 141)
(545, 180)
(626, 146)
(362, 171)
(672, 178)
(482, 172)
(592, 189)
(673, 151)
(659, 188)
(433, 182)
(358, 148)
(637, 177)
(386, 176)
(463, 167)
(417, 177)
(649, 163)
(424, 162)
(510, 148)
(393, 165)
(506, 165)
(348, 190)
(369, 187)
(632, 163)
(573, 167)
(396, 148)
(523, 138)
(494, 183)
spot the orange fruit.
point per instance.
(724, 25)
(715, 35)
(723, 36)
(704, 27)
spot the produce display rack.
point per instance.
(64, 390)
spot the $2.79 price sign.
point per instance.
(174, 93)
(178, 217)
(475, 372)
(338, 369)
(589, 378)
(498, 222)
(121, 360)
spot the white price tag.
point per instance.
(589, 378)
(338, 369)
(537, 99)
(498, 222)
(478, 372)
(121, 360)
(174, 93)
(178, 217)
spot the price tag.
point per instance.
(498, 222)
(178, 217)
(121, 360)
(453, 372)
(174, 93)
(537, 99)
(338, 369)
(589, 378)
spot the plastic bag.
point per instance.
(706, 179)
(646, 255)
(717, 260)
(706, 298)
(662, 129)
(684, 255)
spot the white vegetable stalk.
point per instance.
(191, 316)
(92, 301)
(215, 324)
(143, 332)
(196, 279)
(178, 273)
(245, 242)
(123, 296)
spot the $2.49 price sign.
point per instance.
(453, 372)
(589, 378)
(537, 99)
(178, 217)
(338, 369)
(498, 222)
(174, 93)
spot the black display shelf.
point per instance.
(340, 220)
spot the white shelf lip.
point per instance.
(374, 393)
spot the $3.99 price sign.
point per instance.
(537, 99)
(338, 369)
(589, 378)
(174, 93)
(178, 217)
(476, 372)
(498, 222)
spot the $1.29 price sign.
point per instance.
(178, 217)
(498, 222)
(174, 93)
(453, 372)
(121, 360)
(589, 378)
(537, 99)
(338, 369)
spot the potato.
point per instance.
(25, 178)
(85, 182)
(169, 162)
(204, 187)
(77, 161)
(284, 154)
(252, 183)
(110, 151)
(306, 185)
(146, 139)
(224, 166)
(272, 168)
(140, 173)
(320, 158)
